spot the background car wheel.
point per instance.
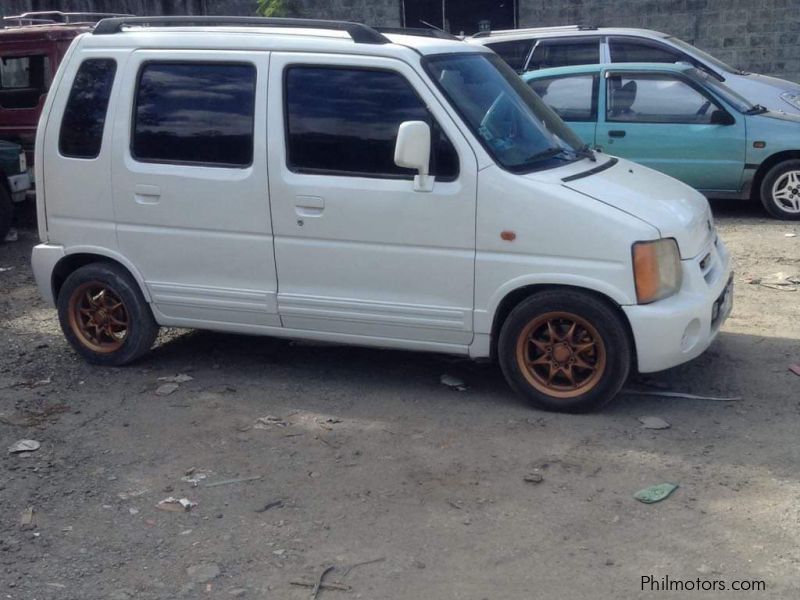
(565, 350)
(780, 190)
(104, 315)
(6, 213)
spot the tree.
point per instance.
(279, 8)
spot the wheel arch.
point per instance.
(513, 298)
(766, 165)
(77, 259)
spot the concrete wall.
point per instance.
(763, 36)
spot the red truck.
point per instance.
(31, 48)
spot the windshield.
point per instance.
(704, 56)
(520, 132)
(738, 102)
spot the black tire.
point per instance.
(600, 369)
(781, 208)
(101, 296)
(6, 212)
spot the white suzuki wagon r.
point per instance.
(322, 180)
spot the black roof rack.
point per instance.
(419, 31)
(360, 33)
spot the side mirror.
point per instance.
(413, 151)
(721, 117)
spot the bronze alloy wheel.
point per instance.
(561, 354)
(98, 318)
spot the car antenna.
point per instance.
(432, 26)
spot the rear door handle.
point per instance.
(147, 194)
(616, 133)
(309, 206)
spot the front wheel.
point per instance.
(104, 316)
(780, 190)
(565, 350)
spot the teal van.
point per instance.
(679, 120)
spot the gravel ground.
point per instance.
(365, 456)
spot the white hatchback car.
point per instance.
(321, 180)
(545, 47)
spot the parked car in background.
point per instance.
(414, 193)
(685, 123)
(15, 182)
(548, 47)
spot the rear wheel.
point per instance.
(6, 212)
(780, 190)
(565, 350)
(104, 315)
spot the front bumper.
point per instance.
(19, 185)
(679, 328)
(44, 259)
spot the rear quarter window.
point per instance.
(84, 117)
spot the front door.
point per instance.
(574, 99)
(190, 188)
(358, 250)
(663, 121)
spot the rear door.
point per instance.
(359, 251)
(663, 121)
(190, 187)
(574, 98)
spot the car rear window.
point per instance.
(195, 113)
(84, 118)
(515, 53)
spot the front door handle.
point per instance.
(616, 133)
(146, 194)
(309, 206)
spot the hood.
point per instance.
(672, 207)
(779, 116)
(783, 85)
(764, 90)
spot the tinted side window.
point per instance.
(564, 53)
(515, 53)
(623, 51)
(85, 115)
(573, 98)
(195, 113)
(345, 120)
(653, 98)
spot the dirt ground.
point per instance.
(365, 456)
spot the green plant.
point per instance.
(278, 8)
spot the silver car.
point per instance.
(541, 48)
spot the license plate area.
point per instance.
(723, 305)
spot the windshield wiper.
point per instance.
(546, 153)
(587, 151)
(756, 109)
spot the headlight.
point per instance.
(23, 163)
(656, 269)
(792, 98)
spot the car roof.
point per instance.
(509, 35)
(48, 31)
(578, 69)
(236, 37)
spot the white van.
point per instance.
(321, 180)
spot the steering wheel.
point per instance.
(703, 109)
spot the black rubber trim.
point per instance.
(598, 169)
(361, 34)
